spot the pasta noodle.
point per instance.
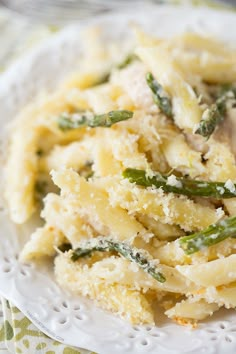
(130, 304)
(191, 310)
(131, 164)
(185, 103)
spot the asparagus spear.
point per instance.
(181, 185)
(226, 88)
(159, 95)
(212, 235)
(103, 79)
(215, 114)
(67, 121)
(128, 60)
(106, 76)
(132, 254)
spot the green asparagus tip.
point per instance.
(67, 121)
(128, 60)
(215, 114)
(110, 118)
(160, 97)
(212, 235)
(132, 254)
(79, 253)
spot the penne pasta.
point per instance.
(131, 165)
(187, 112)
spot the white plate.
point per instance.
(76, 321)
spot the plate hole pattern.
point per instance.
(79, 317)
(144, 342)
(148, 328)
(23, 272)
(228, 339)
(56, 309)
(6, 269)
(136, 328)
(66, 310)
(155, 334)
(10, 265)
(28, 265)
(63, 320)
(64, 304)
(211, 331)
(77, 307)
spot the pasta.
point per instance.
(131, 164)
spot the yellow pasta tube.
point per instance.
(108, 220)
(104, 162)
(172, 254)
(23, 153)
(211, 68)
(214, 273)
(224, 295)
(71, 224)
(181, 157)
(143, 38)
(160, 230)
(129, 304)
(83, 79)
(100, 99)
(74, 155)
(191, 309)
(167, 208)
(220, 164)
(131, 275)
(43, 242)
(187, 112)
(198, 43)
(20, 186)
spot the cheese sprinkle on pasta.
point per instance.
(166, 233)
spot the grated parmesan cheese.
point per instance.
(150, 221)
(230, 186)
(172, 181)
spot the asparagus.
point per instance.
(215, 114)
(131, 253)
(128, 60)
(212, 235)
(67, 121)
(159, 95)
(226, 88)
(106, 76)
(181, 185)
(103, 79)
